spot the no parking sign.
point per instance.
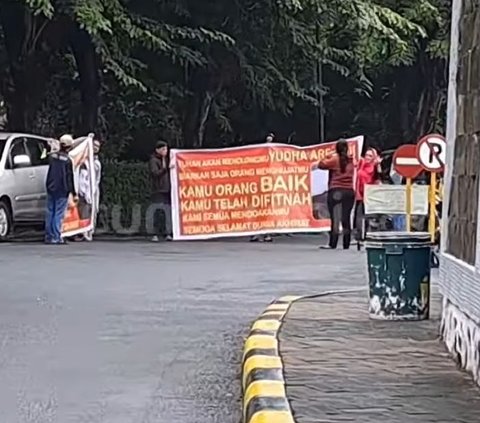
(432, 153)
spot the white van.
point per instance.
(23, 172)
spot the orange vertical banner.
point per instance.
(79, 217)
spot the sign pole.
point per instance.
(431, 153)
(406, 164)
(409, 203)
(432, 205)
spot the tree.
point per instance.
(409, 99)
(200, 71)
(103, 37)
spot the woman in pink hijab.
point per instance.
(368, 173)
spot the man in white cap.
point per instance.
(60, 185)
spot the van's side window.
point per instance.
(38, 152)
(17, 148)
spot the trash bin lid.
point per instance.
(398, 237)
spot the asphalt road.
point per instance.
(141, 333)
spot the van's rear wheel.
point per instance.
(5, 221)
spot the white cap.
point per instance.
(66, 140)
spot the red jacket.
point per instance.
(337, 178)
(366, 175)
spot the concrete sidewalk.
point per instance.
(341, 367)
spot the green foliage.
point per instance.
(199, 72)
(125, 197)
(118, 31)
(217, 73)
(125, 184)
(271, 41)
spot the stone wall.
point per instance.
(463, 202)
(460, 261)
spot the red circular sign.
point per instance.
(405, 161)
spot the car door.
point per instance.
(38, 152)
(22, 181)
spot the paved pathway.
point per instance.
(142, 333)
(342, 367)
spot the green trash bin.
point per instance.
(399, 275)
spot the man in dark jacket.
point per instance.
(60, 185)
(160, 175)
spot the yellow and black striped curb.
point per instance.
(263, 383)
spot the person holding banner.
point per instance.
(160, 176)
(368, 173)
(60, 186)
(265, 237)
(89, 202)
(341, 194)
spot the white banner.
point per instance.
(79, 217)
(392, 199)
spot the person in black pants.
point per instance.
(368, 173)
(265, 237)
(340, 203)
(341, 195)
(159, 167)
(59, 185)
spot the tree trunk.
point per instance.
(204, 112)
(404, 109)
(190, 132)
(196, 119)
(405, 74)
(433, 95)
(198, 110)
(24, 87)
(88, 70)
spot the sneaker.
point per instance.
(169, 238)
(267, 238)
(327, 247)
(155, 238)
(61, 242)
(254, 239)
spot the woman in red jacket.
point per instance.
(368, 173)
(341, 194)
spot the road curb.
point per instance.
(263, 383)
(264, 398)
